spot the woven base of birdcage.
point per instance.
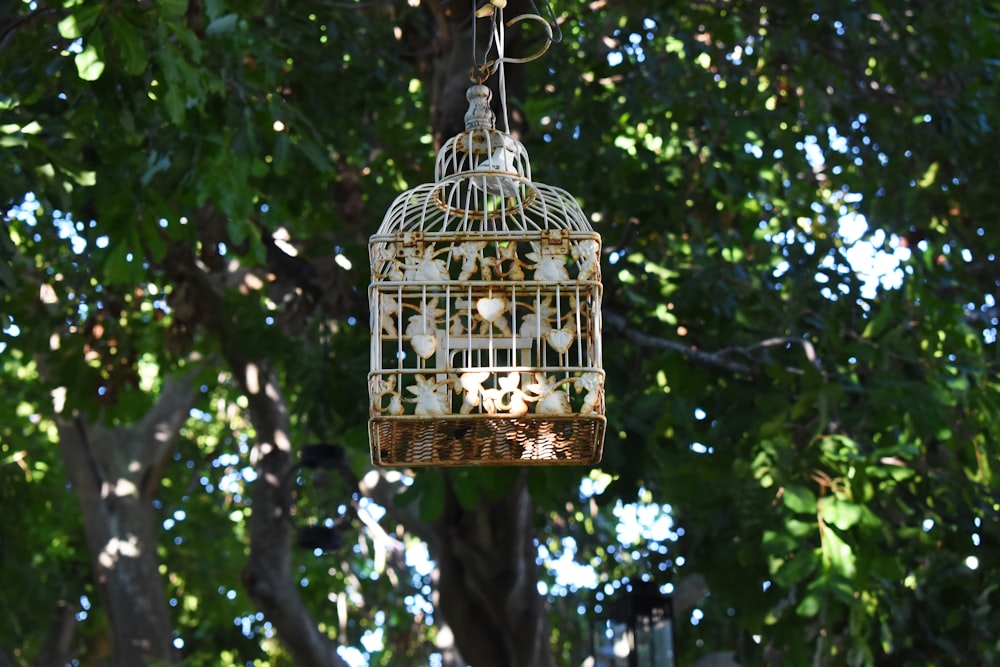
(487, 440)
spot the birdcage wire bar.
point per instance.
(486, 315)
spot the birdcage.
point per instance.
(485, 314)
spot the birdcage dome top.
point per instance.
(482, 148)
(482, 183)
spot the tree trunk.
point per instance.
(268, 575)
(486, 577)
(115, 473)
(488, 580)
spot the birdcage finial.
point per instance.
(479, 116)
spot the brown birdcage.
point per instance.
(485, 314)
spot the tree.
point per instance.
(189, 190)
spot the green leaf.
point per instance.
(155, 244)
(134, 54)
(258, 169)
(838, 553)
(798, 567)
(69, 28)
(878, 322)
(466, 489)
(119, 265)
(495, 482)
(841, 513)
(800, 528)
(778, 544)
(88, 62)
(799, 499)
(237, 230)
(173, 9)
(282, 145)
(76, 24)
(810, 605)
(156, 163)
(432, 500)
(222, 25)
(175, 103)
(317, 155)
(187, 38)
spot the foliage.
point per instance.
(824, 434)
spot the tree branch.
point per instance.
(723, 358)
(57, 649)
(158, 429)
(374, 485)
(620, 325)
(76, 431)
(14, 25)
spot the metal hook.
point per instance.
(545, 47)
(555, 20)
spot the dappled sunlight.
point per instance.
(251, 282)
(868, 258)
(252, 378)
(163, 433)
(271, 390)
(282, 441)
(58, 399)
(117, 549)
(120, 488)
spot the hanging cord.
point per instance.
(494, 10)
(481, 71)
(500, 38)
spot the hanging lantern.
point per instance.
(320, 494)
(638, 630)
(485, 314)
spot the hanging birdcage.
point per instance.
(485, 314)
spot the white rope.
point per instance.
(500, 35)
